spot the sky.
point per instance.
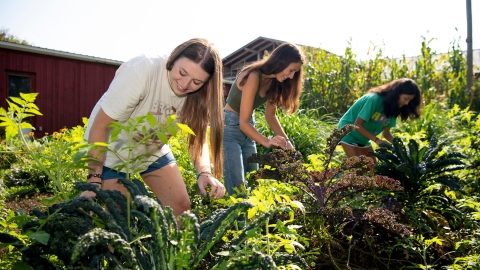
(120, 29)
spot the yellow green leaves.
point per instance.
(19, 108)
(185, 128)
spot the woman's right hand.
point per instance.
(88, 194)
(278, 141)
(380, 142)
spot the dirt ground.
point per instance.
(27, 204)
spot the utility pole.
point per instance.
(469, 48)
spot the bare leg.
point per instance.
(352, 151)
(111, 184)
(167, 184)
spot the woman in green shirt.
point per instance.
(376, 112)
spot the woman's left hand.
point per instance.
(217, 188)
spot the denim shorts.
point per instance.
(164, 160)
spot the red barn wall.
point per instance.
(68, 88)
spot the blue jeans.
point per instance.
(161, 162)
(237, 149)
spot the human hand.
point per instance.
(217, 189)
(88, 194)
(279, 141)
(382, 143)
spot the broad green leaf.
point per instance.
(185, 128)
(170, 119)
(79, 155)
(172, 130)
(252, 212)
(33, 106)
(26, 125)
(6, 122)
(116, 125)
(41, 237)
(17, 100)
(10, 132)
(25, 115)
(29, 97)
(34, 111)
(163, 137)
(114, 134)
(152, 121)
(51, 200)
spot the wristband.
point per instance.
(97, 175)
(203, 172)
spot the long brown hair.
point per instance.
(286, 94)
(205, 106)
(391, 93)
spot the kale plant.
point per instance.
(329, 188)
(427, 175)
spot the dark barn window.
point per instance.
(18, 84)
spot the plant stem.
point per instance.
(55, 180)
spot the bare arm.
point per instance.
(387, 134)
(365, 133)
(249, 90)
(98, 133)
(274, 124)
(205, 177)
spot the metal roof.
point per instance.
(44, 51)
(251, 50)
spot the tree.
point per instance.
(5, 36)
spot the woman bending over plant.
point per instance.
(376, 112)
(189, 83)
(276, 81)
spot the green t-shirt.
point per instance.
(369, 108)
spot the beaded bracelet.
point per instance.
(97, 175)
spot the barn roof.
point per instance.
(251, 50)
(44, 51)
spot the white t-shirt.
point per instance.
(140, 86)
